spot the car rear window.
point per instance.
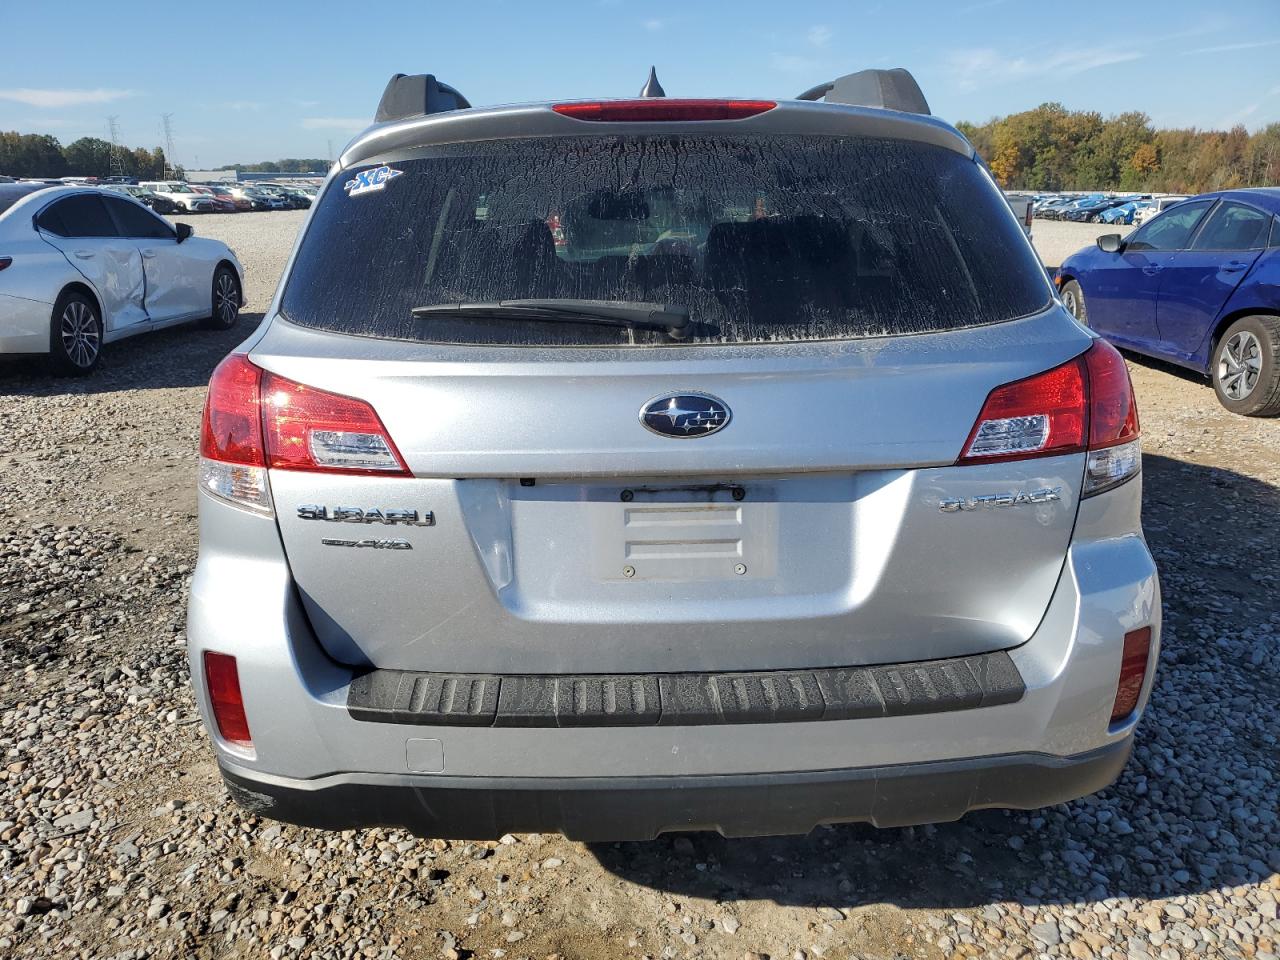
(763, 238)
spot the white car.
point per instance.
(190, 200)
(81, 267)
(1154, 207)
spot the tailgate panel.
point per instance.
(841, 569)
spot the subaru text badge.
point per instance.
(685, 415)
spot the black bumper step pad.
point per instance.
(684, 699)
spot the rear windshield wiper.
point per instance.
(673, 318)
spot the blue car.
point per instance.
(1198, 285)
(1123, 214)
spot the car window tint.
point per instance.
(136, 222)
(1233, 226)
(763, 238)
(82, 215)
(1172, 229)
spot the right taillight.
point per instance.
(1085, 404)
(1115, 453)
(254, 420)
(1133, 672)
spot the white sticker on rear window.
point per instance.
(367, 181)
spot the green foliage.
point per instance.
(1052, 148)
(40, 155)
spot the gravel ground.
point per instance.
(117, 841)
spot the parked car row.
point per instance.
(231, 197)
(169, 197)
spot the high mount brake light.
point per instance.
(254, 420)
(663, 109)
(1085, 404)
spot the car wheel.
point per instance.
(75, 335)
(1073, 300)
(1246, 367)
(226, 299)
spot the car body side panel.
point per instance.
(1194, 287)
(24, 325)
(179, 277)
(1259, 291)
(113, 267)
(1120, 292)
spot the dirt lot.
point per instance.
(116, 839)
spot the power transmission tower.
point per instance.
(166, 128)
(115, 162)
(331, 151)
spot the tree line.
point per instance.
(1053, 148)
(42, 155)
(288, 165)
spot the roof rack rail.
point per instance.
(416, 96)
(894, 89)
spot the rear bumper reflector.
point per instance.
(684, 699)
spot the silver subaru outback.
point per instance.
(631, 466)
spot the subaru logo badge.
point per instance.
(685, 415)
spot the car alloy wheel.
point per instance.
(78, 330)
(1239, 364)
(226, 299)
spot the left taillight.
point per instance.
(1083, 405)
(233, 462)
(312, 429)
(5, 262)
(255, 420)
(222, 681)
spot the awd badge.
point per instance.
(367, 181)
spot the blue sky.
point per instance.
(258, 81)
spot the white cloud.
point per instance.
(240, 105)
(820, 35)
(349, 124)
(62, 98)
(1228, 47)
(654, 25)
(985, 67)
(790, 63)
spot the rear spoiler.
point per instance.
(894, 89)
(421, 94)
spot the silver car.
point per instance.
(631, 466)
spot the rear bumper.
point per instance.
(641, 808)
